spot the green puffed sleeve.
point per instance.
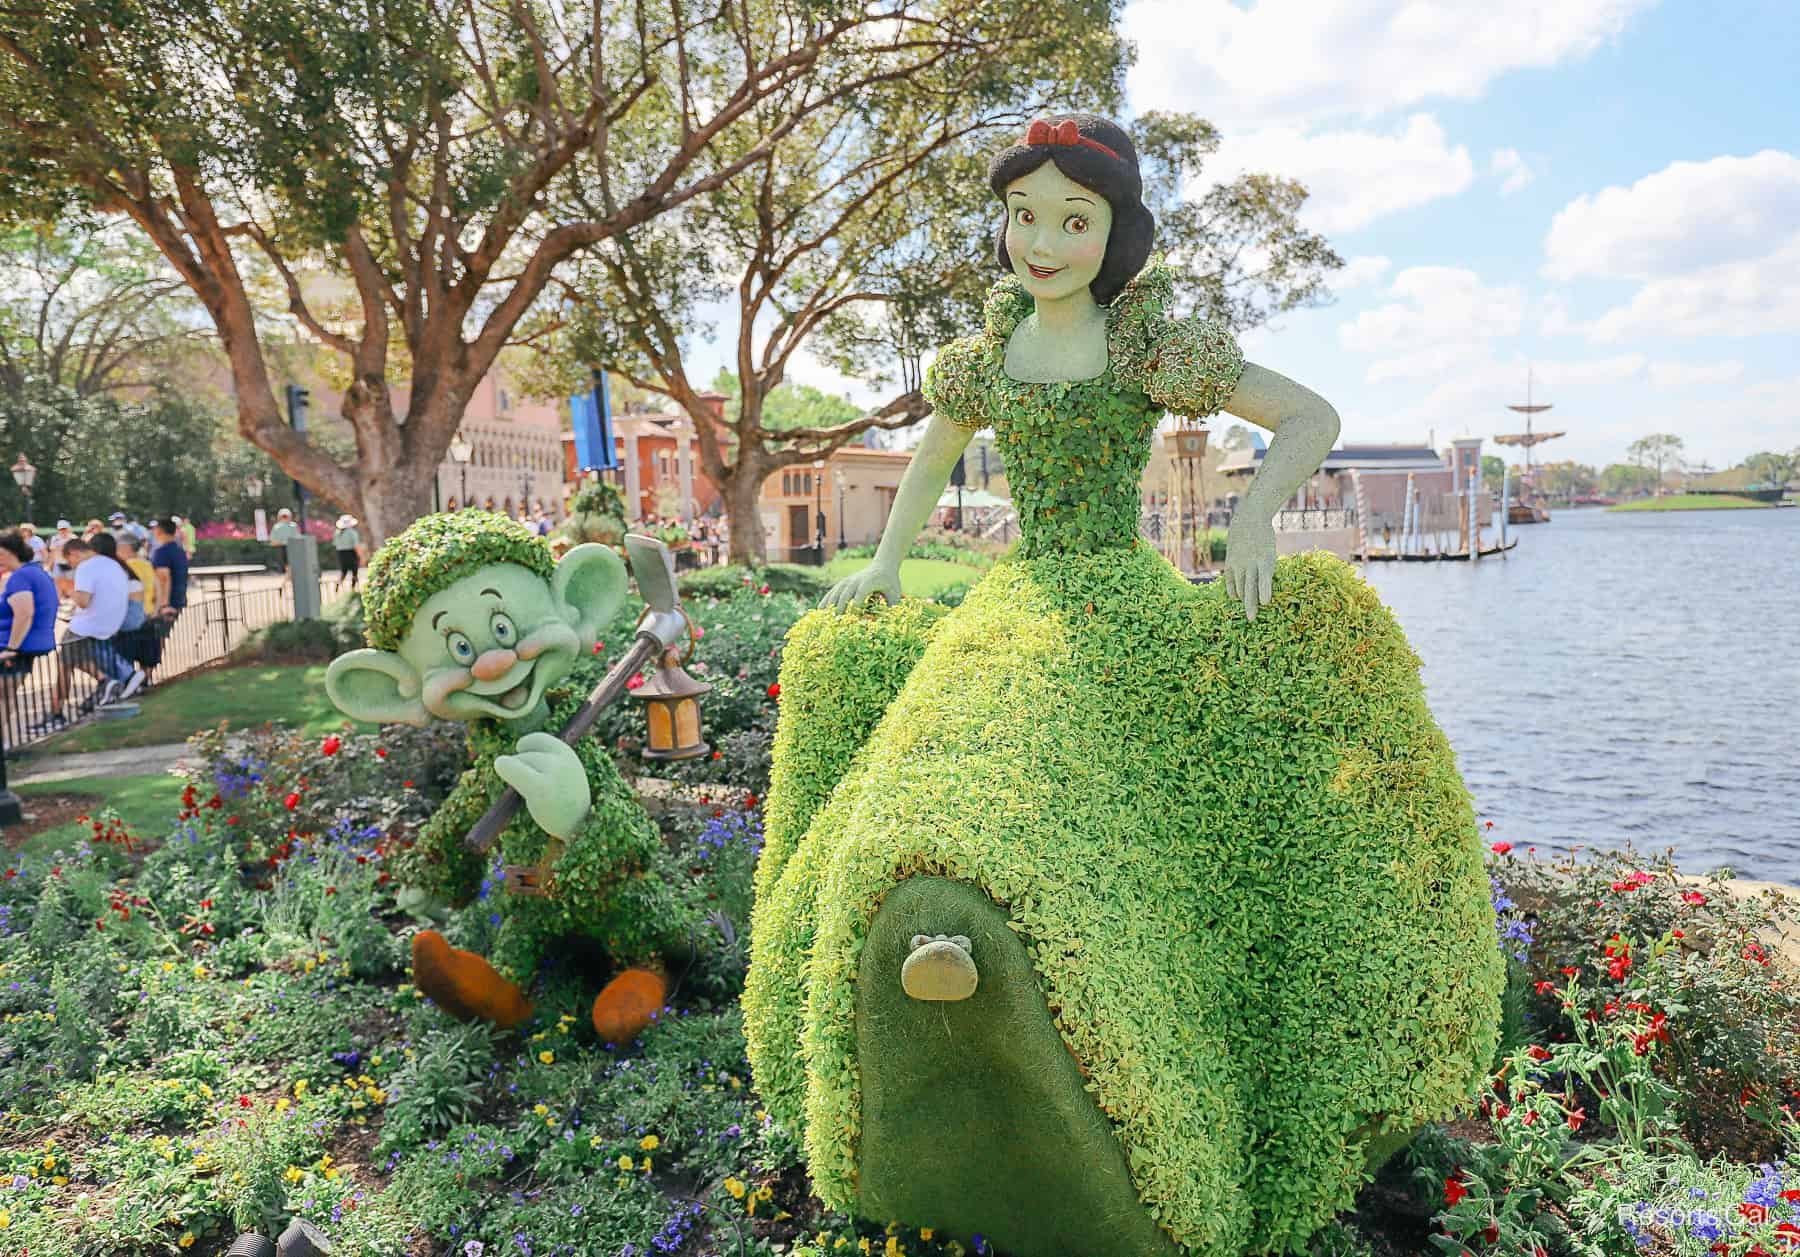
(954, 384)
(1193, 367)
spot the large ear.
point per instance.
(377, 687)
(591, 579)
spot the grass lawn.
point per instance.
(292, 694)
(1690, 502)
(145, 803)
(919, 578)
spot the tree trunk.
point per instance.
(743, 489)
(392, 498)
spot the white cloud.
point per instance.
(1358, 271)
(1511, 169)
(1674, 375)
(1439, 316)
(1353, 177)
(1684, 218)
(1299, 61)
(1744, 298)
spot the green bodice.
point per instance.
(1075, 450)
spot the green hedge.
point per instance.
(781, 578)
(237, 550)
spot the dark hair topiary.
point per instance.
(1116, 179)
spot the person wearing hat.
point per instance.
(285, 530)
(59, 565)
(347, 541)
(40, 553)
(120, 527)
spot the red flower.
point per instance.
(330, 746)
(1453, 1191)
(718, 754)
(1576, 1118)
(1545, 987)
(763, 590)
(599, 646)
(1530, 1117)
(1789, 1233)
(1488, 824)
(1794, 1195)
(1677, 934)
(637, 679)
(1756, 1213)
(381, 752)
(1569, 971)
(244, 1102)
(1693, 896)
(1491, 1233)
(1755, 952)
(331, 890)
(292, 801)
(407, 784)
(749, 800)
(1501, 848)
(1538, 1052)
(775, 690)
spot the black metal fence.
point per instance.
(83, 677)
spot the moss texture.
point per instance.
(434, 553)
(1239, 856)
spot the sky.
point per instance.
(1606, 192)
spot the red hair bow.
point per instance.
(1065, 134)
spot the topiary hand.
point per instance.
(1250, 562)
(854, 588)
(548, 774)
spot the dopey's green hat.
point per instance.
(434, 553)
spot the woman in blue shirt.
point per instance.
(28, 604)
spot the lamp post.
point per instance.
(819, 511)
(25, 475)
(525, 492)
(841, 487)
(460, 454)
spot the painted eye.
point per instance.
(461, 648)
(1075, 225)
(501, 626)
(1024, 217)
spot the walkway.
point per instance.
(133, 761)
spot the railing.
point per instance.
(69, 681)
(1315, 519)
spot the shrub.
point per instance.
(807, 583)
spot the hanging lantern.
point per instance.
(671, 701)
(1190, 443)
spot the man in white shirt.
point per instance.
(100, 595)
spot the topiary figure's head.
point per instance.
(469, 615)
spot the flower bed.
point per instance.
(210, 1029)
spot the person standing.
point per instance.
(59, 566)
(28, 606)
(169, 561)
(139, 629)
(347, 542)
(40, 553)
(185, 533)
(285, 530)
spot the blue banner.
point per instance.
(591, 415)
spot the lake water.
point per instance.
(1624, 677)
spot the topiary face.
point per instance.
(1056, 233)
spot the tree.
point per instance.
(1656, 451)
(91, 308)
(866, 236)
(414, 172)
(98, 453)
(1770, 468)
(1567, 479)
(1621, 480)
(1237, 437)
(1493, 473)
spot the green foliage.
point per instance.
(442, 1083)
(1075, 449)
(433, 554)
(1692, 502)
(596, 514)
(84, 467)
(727, 580)
(1134, 746)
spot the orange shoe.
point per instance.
(629, 1003)
(464, 985)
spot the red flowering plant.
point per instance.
(1675, 975)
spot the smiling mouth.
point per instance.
(516, 699)
(1039, 272)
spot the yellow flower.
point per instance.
(649, 1143)
(546, 1058)
(206, 1091)
(281, 1105)
(199, 972)
(299, 1088)
(735, 1187)
(593, 1141)
(5, 1219)
(49, 1163)
(375, 1060)
(59, 1180)
(863, 1244)
(925, 1232)
(646, 1165)
(625, 1162)
(540, 1109)
(186, 1240)
(893, 1247)
(168, 966)
(293, 1174)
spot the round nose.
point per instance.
(493, 664)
